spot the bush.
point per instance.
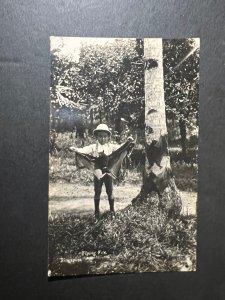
(186, 176)
(177, 156)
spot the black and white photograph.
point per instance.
(123, 155)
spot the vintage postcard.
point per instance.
(123, 155)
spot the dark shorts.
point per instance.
(98, 183)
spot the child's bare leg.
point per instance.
(97, 212)
(98, 189)
(109, 190)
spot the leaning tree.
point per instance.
(157, 175)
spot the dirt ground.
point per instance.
(70, 198)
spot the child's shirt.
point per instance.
(95, 149)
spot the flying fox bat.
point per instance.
(104, 164)
(156, 150)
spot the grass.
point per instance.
(139, 239)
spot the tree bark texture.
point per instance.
(158, 175)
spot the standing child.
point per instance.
(102, 146)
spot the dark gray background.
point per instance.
(24, 110)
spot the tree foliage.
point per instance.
(181, 80)
(107, 82)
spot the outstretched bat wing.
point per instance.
(116, 158)
(89, 162)
(85, 160)
(113, 164)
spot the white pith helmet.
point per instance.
(102, 127)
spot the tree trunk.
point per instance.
(157, 175)
(91, 117)
(100, 115)
(183, 138)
